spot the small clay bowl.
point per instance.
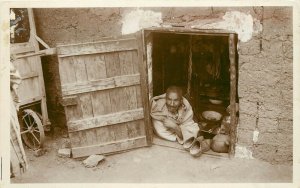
(212, 115)
(215, 101)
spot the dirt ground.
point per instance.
(156, 164)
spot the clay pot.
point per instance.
(206, 145)
(220, 143)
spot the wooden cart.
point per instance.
(33, 115)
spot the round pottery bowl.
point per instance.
(215, 101)
(212, 115)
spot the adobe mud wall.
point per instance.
(265, 85)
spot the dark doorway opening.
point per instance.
(200, 65)
(209, 72)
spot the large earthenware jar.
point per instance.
(220, 143)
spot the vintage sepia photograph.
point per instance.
(151, 94)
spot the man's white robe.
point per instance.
(185, 120)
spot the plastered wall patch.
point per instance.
(241, 23)
(139, 19)
(243, 152)
(255, 136)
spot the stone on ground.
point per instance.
(65, 152)
(39, 152)
(93, 160)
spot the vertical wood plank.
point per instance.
(136, 129)
(146, 48)
(83, 138)
(23, 67)
(232, 55)
(73, 113)
(81, 76)
(96, 70)
(66, 70)
(96, 67)
(117, 98)
(136, 70)
(85, 101)
(144, 85)
(120, 131)
(67, 75)
(127, 67)
(79, 67)
(101, 105)
(34, 88)
(75, 139)
(104, 135)
(112, 64)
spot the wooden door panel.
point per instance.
(110, 147)
(104, 120)
(101, 103)
(97, 47)
(102, 94)
(107, 134)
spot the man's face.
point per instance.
(173, 102)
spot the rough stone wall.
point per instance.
(265, 67)
(266, 88)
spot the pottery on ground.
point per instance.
(220, 143)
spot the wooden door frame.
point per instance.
(144, 81)
(232, 41)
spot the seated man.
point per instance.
(172, 116)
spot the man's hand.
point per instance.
(171, 124)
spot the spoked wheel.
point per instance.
(32, 130)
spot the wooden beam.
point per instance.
(40, 41)
(104, 120)
(233, 89)
(194, 31)
(30, 100)
(19, 48)
(102, 84)
(49, 51)
(69, 101)
(30, 75)
(111, 147)
(96, 47)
